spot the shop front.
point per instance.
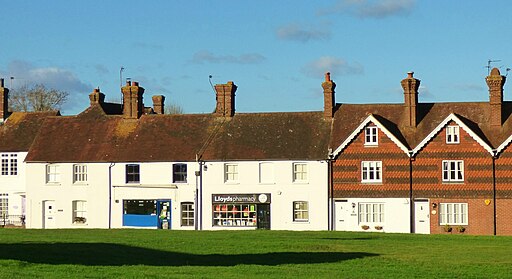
(147, 213)
(241, 210)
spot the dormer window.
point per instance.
(370, 136)
(452, 134)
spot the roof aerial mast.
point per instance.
(489, 65)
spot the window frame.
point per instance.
(52, 173)
(79, 211)
(453, 171)
(179, 175)
(231, 173)
(369, 169)
(371, 213)
(79, 173)
(453, 213)
(371, 136)
(132, 171)
(452, 134)
(300, 175)
(9, 164)
(187, 214)
(300, 211)
(4, 204)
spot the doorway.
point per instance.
(421, 217)
(163, 211)
(341, 214)
(48, 214)
(263, 216)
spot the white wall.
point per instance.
(14, 185)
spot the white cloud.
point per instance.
(208, 57)
(334, 65)
(370, 8)
(294, 32)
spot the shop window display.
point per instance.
(234, 215)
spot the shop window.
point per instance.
(52, 173)
(179, 173)
(9, 164)
(300, 172)
(187, 214)
(371, 171)
(371, 135)
(371, 213)
(453, 213)
(79, 212)
(132, 173)
(234, 215)
(300, 211)
(452, 134)
(4, 205)
(267, 173)
(230, 173)
(453, 171)
(79, 173)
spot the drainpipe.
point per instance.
(330, 191)
(110, 195)
(411, 198)
(198, 197)
(494, 192)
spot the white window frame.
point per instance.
(453, 213)
(230, 173)
(132, 174)
(371, 213)
(79, 173)
(452, 134)
(300, 211)
(371, 171)
(453, 170)
(9, 164)
(371, 136)
(187, 214)
(79, 211)
(52, 173)
(267, 173)
(4, 205)
(300, 172)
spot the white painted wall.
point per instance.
(283, 192)
(396, 215)
(14, 185)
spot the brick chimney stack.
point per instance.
(4, 101)
(410, 86)
(225, 99)
(96, 97)
(495, 82)
(329, 101)
(158, 104)
(133, 107)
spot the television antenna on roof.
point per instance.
(489, 65)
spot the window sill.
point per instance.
(371, 145)
(453, 182)
(372, 182)
(301, 182)
(53, 184)
(231, 182)
(301, 222)
(80, 184)
(267, 183)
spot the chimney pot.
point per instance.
(1, 82)
(410, 74)
(135, 83)
(327, 76)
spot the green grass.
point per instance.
(242, 254)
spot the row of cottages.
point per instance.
(115, 166)
(423, 167)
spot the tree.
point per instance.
(173, 109)
(36, 98)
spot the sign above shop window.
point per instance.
(241, 198)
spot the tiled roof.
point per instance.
(19, 130)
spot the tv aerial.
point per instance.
(489, 62)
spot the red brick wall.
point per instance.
(480, 221)
(504, 192)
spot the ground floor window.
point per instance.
(4, 205)
(140, 213)
(234, 215)
(187, 214)
(300, 211)
(453, 213)
(371, 213)
(79, 212)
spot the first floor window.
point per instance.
(132, 173)
(300, 211)
(4, 205)
(453, 213)
(52, 173)
(230, 173)
(9, 164)
(452, 134)
(79, 173)
(371, 213)
(234, 215)
(371, 171)
(179, 173)
(187, 214)
(266, 173)
(79, 212)
(300, 172)
(370, 135)
(453, 171)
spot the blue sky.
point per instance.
(275, 51)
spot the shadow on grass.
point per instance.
(105, 254)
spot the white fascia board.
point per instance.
(503, 145)
(361, 126)
(454, 118)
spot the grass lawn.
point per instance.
(242, 254)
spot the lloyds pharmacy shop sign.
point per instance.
(241, 198)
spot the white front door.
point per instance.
(341, 214)
(49, 214)
(421, 217)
